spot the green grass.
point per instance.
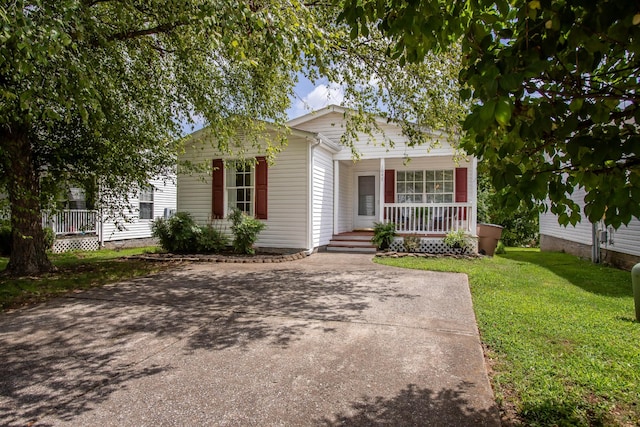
(559, 332)
(76, 271)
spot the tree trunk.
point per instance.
(28, 252)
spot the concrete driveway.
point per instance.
(330, 340)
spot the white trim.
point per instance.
(472, 195)
(367, 221)
(381, 191)
(336, 196)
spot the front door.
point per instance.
(366, 202)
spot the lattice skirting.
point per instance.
(81, 243)
(428, 245)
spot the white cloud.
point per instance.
(320, 97)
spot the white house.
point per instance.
(316, 195)
(619, 247)
(80, 228)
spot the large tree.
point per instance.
(554, 86)
(99, 90)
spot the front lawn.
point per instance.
(559, 332)
(76, 271)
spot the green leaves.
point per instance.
(555, 89)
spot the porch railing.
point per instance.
(72, 221)
(429, 218)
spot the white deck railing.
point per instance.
(429, 218)
(72, 221)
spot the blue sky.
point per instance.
(310, 97)
(307, 97)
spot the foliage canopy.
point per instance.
(97, 91)
(554, 87)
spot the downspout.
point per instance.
(309, 250)
(595, 244)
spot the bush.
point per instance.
(245, 231)
(179, 234)
(383, 234)
(411, 243)
(212, 240)
(458, 240)
(500, 248)
(49, 237)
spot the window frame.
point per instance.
(437, 177)
(146, 193)
(231, 177)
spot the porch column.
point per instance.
(336, 196)
(474, 196)
(381, 192)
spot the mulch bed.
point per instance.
(265, 257)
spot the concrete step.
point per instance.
(352, 249)
(352, 237)
(360, 243)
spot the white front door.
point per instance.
(366, 199)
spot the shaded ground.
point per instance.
(329, 340)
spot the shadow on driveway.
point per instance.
(63, 360)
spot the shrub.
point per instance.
(383, 234)
(245, 231)
(212, 240)
(178, 234)
(458, 239)
(49, 237)
(411, 243)
(500, 248)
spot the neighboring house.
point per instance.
(79, 227)
(315, 194)
(619, 247)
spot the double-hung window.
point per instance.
(146, 203)
(430, 186)
(240, 187)
(439, 186)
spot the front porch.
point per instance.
(75, 229)
(430, 196)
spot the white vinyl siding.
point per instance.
(164, 196)
(625, 240)
(580, 233)
(322, 197)
(287, 223)
(331, 126)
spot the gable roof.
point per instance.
(307, 135)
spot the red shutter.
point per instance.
(389, 189)
(461, 185)
(261, 188)
(217, 189)
(461, 190)
(389, 186)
